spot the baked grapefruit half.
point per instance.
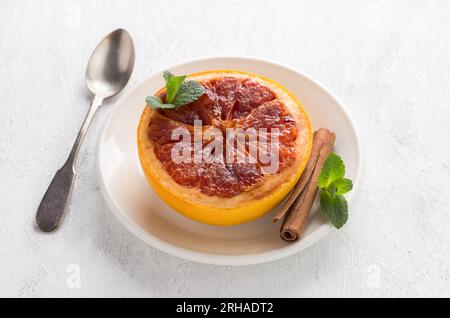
(227, 192)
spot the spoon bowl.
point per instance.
(111, 64)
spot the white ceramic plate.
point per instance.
(133, 201)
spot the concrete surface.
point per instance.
(388, 61)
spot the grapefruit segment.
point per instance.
(160, 129)
(226, 89)
(188, 116)
(186, 174)
(219, 180)
(250, 95)
(247, 174)
(273, 115)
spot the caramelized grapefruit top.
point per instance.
(232, 99)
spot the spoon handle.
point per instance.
(56, 199)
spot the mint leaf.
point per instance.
(341, 186)
(172, 85)
(155, 102)
(178, 92)
(331, 190)
(336, 208)
(333, 185)
(167, 76)
(332, 170)
(188, 92)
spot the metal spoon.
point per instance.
(107, 73)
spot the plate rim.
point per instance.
(220, 259)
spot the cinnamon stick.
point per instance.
(320, 138)
(298, 213)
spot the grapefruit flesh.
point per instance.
(227, 193)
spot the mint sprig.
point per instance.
(188, 92)
(172, 85)
(179, 92)
(332, 186)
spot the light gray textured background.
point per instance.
(388, 61)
